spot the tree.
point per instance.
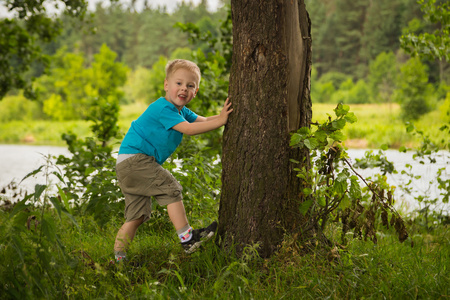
(20, 36)
(269, 89)
(382, 76)
(413, 89)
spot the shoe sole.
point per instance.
(196, 245)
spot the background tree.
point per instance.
(30, 24)
(269, 89)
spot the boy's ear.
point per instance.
(195, 94)
(166, 84)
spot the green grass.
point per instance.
(377, 124)
(388, 270)
(380, 124)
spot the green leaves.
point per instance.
(326, 133)
(20, 37)
(431, 45)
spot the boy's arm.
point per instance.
(205, 119)
(203, 124)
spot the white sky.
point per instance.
(170, 4)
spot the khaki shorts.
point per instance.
(140, 178)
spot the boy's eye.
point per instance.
(191, 86)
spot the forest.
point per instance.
(380, 79)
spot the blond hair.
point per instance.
(176, 64)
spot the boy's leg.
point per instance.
(125, 235)
(177, 215)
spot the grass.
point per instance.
(377, 124)
(380, 124)
(363, 270)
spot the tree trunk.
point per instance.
(270, 92)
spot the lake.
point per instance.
(19, 160)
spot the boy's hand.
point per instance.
(226, 111)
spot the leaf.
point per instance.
(48, 228)
(32, 173)
(321, 201)
(341, 110)
(351, 118)
(57, 205)
(38, 190)
(64, 198)
(410, 128)
(295, 140)
(337, 136)
(340, 186)
(307, 191)
(311, 143)
(345, 202)
(321, 135)
(19, 206)
(338, 124)
(304, 206)
(355, 188)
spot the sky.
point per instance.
(170, 4)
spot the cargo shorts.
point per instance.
(140, 178)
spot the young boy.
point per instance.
(151, 139)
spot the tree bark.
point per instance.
(270, 92)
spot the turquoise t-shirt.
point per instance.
(152, 132)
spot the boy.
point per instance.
(151, 139)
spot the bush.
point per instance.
(18, 108)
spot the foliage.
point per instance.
(430, 45)
(73, 91)
(89, 174)
(333, 191)
(382, 76)
(215, 68)
(19, 108)
(350, 93)
(19, 41)
(413, 92)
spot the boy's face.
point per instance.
(181, 87)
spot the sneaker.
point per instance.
(198, 237)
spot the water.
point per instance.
(19, 160)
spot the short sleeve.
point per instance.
(189, 115)
(170, 117)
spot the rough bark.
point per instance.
(270, 92)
